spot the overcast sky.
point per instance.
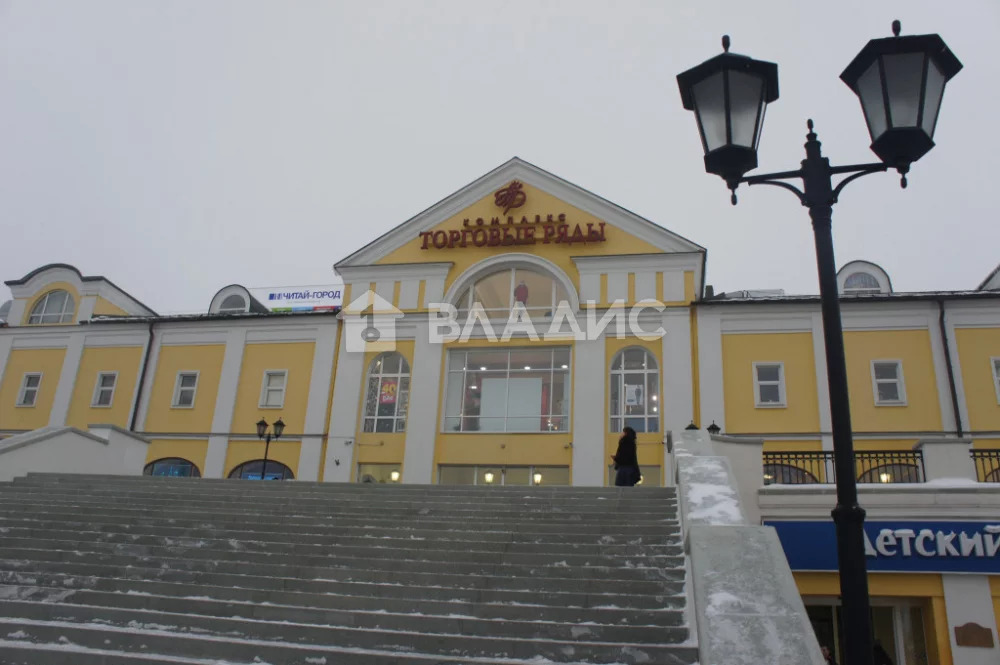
(177, 147)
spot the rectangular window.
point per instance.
(503, 475)
(887, 383)
(769, 384)
(29, 389)
(508, 390)
(185, 389)
(995, 363)
(104, 389)
(272, 389)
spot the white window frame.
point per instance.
(24, 389)
(899, 380)
(38, 316)
(174, 404)
(651, 405)
(782, 402)
(264, 388)
(995, 368)
(402, 403)
(94, 403)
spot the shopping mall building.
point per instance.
(505, 336)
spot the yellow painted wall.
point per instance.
(538, 202)
(204, 358)
(125, 360)
(286, 452)
(975, 348)
(913, 347)
(193, 450)
(896, 585)
(53, 286)
(795, 350)
(106, 308)
(294, 357)
(649, 445)
(21, 361)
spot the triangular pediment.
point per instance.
(561, 217)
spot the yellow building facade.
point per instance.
(506, 335)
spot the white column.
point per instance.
(225, 402)
(6, 343)
(956, 365)
(710, 379)
(142, 401)
(590, 410)
(319, 394)
(967, 600)
(948, 423)
(421, 418)
(822, 381)
(677, 400)
(344, 414)
(85, 311)
(67, 380)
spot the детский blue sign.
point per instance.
(953, 547)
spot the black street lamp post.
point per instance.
(263, 433)
(900, 82)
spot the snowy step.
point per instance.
(139, 638)
(293, 605)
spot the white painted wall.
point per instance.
(344, 414)
(71, 451)
(225, 402)
(967, 599)
(422, 416)
(589, 406)
(319, 394)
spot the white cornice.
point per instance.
(518, 169)
(630, 262)
(373, 273)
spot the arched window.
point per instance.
(635, 391)
(54, 307)
(251, 470)
(787, 474)
(388, 394)
(233, 303)
(861, 282)
(498, 291)
(891, 473)
(176, 467)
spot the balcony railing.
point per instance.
(871, 466)
(987, 463)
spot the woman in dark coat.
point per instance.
(626, 461)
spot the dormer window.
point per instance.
(234, 303)
(54, 307)
(861, 282)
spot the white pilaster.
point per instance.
(948, 423)
(319, 393)
(85, 311)
(589, 409)
(822, 380)
(344, 414)
(16, 313)
(6, 342)
(225, 402)
(67, 380)
(142, 402)
(677, 401)
(712, 398)
(421, 418)
(967, 599)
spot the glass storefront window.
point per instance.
(387, 395)
(379, 473)
(897, 625)
(508, 390)
(499, 475)
(635, 391)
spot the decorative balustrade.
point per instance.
(987, 463)
(871, 466)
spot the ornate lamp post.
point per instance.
(900, 82)
(263, 433)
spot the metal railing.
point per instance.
(871, 466)
(987, 463)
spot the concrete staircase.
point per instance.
(127, 570)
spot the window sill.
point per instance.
(890, 404)
(25, 406)
(100, 406)
(771, 406)
(178, 406)
(265, 406)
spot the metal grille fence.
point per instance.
(987, 463)
(871, 466)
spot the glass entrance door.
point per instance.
(898, 628)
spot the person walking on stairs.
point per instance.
(626, 460)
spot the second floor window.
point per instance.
(995, 363)
(104, 389)
(185, 389)
(272, 390)
(28, 394)
(769, 384)
(887, 382)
